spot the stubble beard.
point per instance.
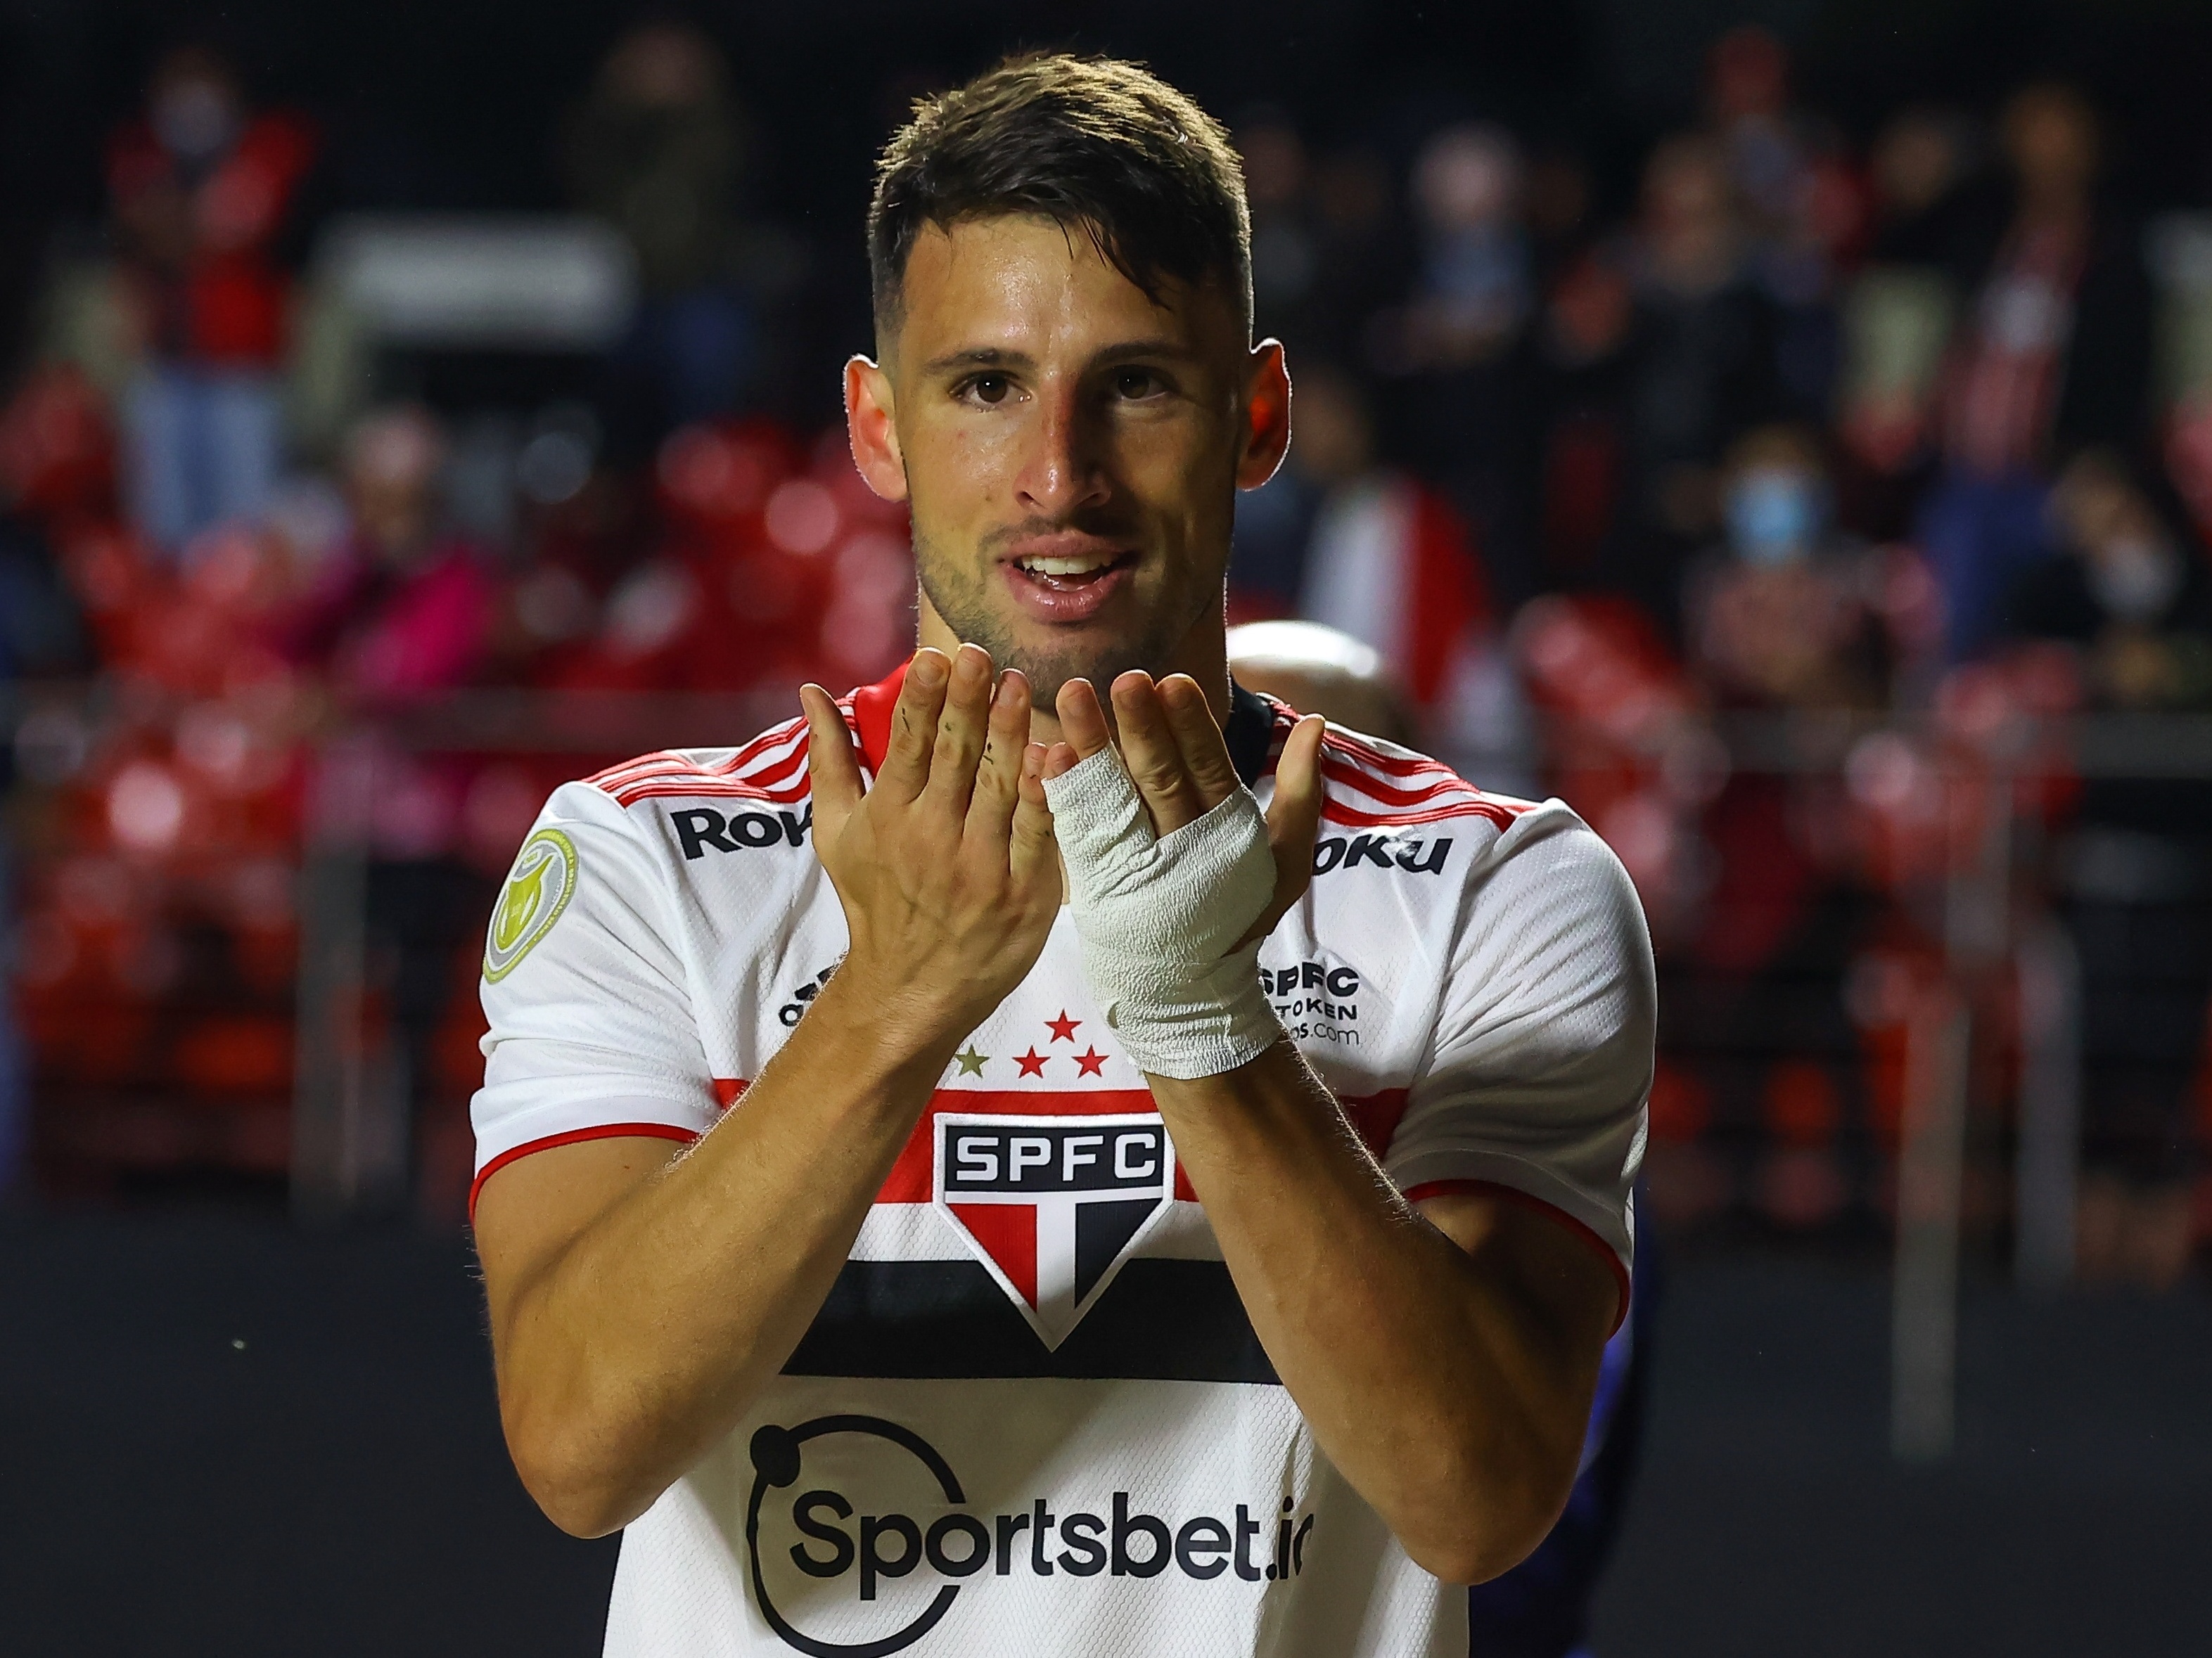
(964, 602)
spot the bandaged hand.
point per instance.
(1173, 875)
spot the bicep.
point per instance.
(1558, 1279)
(529, 1212)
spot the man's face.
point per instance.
(1070, 448)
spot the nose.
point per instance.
(1063, 469)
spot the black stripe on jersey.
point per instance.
(1160, 1320)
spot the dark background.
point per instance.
(454, 103)
(225, 1439)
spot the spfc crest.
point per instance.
(1053, 1205)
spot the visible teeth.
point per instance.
(1080, 565)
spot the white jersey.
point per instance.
(1032, 1416)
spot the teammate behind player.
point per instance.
(1269, 1305)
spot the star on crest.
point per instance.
(971, 1063)
(1063, 1028)
(1032, 1062)
(1092, 1063)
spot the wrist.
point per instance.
(1199, 1022)
(883, 1032)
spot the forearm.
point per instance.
(644, 1340)
(1451, 1398)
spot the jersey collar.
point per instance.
(1251, 725)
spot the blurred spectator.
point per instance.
(1387, 560)
(201, 188)
(1455, 339)
(1702, 368)
(1576, 410)
(404, 607)
(2052, 356)
(1474, 290)
(1360, 253)
(1781, 621)
(1923, 157)
(1778, 614)
(660, 150)
(1897, 313)
(2136, 871)
(1804, 206)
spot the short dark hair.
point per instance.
(1092, 144)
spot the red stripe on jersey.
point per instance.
(788, 731)
(605, 1131)
(911, 1176)
(699, 787)
(1390, 794)
(669, 772)
(660, 763)
(1398, 765)
(1519, 1200)
(727, 1090)
(788, 767)
(1490, 812)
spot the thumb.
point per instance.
(1294, 821)
(833, 775)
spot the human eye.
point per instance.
(990, 389)
(1137, 384)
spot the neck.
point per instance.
(1202, 652)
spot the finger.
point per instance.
(1149, 749)
(1204, 751)
(1082, 720)
(1062, 759)
(913, 726)
(833, 771)
(999, 774)
(1294, 821)
(1031, 852)
(961, 727)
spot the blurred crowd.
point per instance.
(1773, 515)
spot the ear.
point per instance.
(1268, 416)
(872, 430)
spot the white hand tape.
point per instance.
(1160, 916)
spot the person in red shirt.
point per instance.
(201, 188)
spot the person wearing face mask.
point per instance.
(1778, 624)
(202, 188)
(1774, 612)
(2136, 870)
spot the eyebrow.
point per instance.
(990, 357)
(980, 356)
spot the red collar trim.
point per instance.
(871, 715)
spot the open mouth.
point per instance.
(1069, 573)
(1068, 584)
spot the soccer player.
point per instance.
(1053, 1153)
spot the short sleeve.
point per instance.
(592, 1032)
(1541, 1061)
